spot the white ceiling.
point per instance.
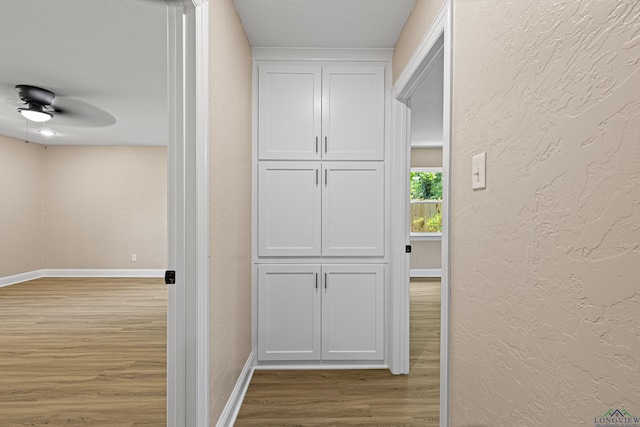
(324, 23)
(106, 60)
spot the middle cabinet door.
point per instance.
(320, 208)
(353, 209)
(289, 209)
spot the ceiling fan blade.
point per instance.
(73, 112)
(35, 95)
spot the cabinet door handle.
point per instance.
(325, 283)
(316, 177)
(316, 145)
(316, 281)
(325, 177)
(325, 145)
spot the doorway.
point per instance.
(435, 48)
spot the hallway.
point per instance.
(357, 397)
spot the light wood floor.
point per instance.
(83, 352)
(358, 397)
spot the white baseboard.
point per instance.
(292, 366)
(142, 272)
(231, 409)
(37, 274)
(19, 278)
(425, 272)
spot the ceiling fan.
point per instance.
(40, 105)
(37, 103)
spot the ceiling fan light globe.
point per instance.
(35, 116)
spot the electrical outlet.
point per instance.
(479, 171)
(134, 257)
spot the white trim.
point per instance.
(438, 38)
(79, 272)
(426, 169)
(320, 54)
(425, 237)
(196, 192)
(425, 272)
(315, 366)
(202, 212)
(231, 409)
(445, 299)
(20, 277)
(426, 144)
(188, 317)
(176, 341)
(398, 342)
(102, 273)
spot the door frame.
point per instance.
(188, 213)
(406, 85)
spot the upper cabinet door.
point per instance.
(289, 112)
(353, 113)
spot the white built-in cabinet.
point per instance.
(314, 112)
(320, 208)
(320, 214)
(320, 312)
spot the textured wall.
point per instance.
(414, 29)
(230, 206)
(545, 314)
(102, 204)
(21, 206)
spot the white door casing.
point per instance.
(188, 232)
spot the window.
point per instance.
(426, 201)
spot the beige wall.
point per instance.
(75, 207)
(414, 29)
(230, 206)
(425, 255)
(103, 204)
(545, 308)
(20, 206)
(545, 314)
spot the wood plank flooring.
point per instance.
(83, 352)
(358, 397)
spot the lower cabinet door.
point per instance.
(352, 312)
(289, 312)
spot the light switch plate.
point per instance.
(479, 171)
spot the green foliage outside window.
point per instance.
(426, 185)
